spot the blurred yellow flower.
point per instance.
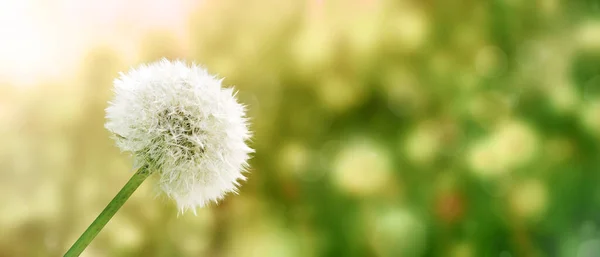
(423, 143)
(563, 96)
(407, 29)
(363, 33)
(588, 35)
(362, 168)
(340, 94)
(528, 200)
(512, 144)
(312, 48)
(294, 157)
(397, 232)
(403, 90)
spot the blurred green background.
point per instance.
(382, 128)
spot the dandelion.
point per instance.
(179, 122)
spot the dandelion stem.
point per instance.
(115, 204)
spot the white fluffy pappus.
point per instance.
(179, 121)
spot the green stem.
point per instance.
(90, 233)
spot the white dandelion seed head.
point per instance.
(180, 122)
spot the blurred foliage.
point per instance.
(382, 128)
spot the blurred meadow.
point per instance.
(460, 128)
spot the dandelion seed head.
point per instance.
(179, 121)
